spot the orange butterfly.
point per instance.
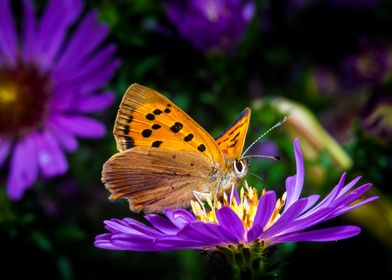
(166, 158)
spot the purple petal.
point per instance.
(288, 216)
(24, 168)
(103, 241)
(202, 232)
(65, 138)
(312, 199)
(101, 78)
(264, 211)
(90, 67)
(28, 30)
(134, 243)
(352, 207)
(128, 225)
(179, 217)
(349, 186)
(321, 235)
(229, 220)
(162, 224)
(81, 126)
(95, 103)
(85, 39)
(331, 196)
(50, 157)
(8, 40)
(293, 193)
(5, 146)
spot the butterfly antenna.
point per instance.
(262, 135)
(257, 176)
(262, 156)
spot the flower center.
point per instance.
(245, 209)
(24, 96)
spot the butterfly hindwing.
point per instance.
(231, 141)
(155, 179)
(148, 119)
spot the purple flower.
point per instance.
(249, 220)
(370, 66)
(211, 25)
(49, 80)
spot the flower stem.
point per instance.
(239, 262)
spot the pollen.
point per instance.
(245, 207)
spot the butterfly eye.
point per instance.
(239, 167)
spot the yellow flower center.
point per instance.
(24, 98)
(245, 209)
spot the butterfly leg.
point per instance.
(200, 197)
(231, 194)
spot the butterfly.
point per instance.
(165, 158)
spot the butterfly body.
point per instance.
(165, 156)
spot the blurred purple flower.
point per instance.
(211, 25)
(370, 66)
(248, 220)
(49, 80)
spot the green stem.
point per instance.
(239, 262)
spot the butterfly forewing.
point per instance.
(154, 179)
(231, 141)
(148, 119)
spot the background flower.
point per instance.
(211, 25)
(50, 78)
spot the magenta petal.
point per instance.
(5, 146)
(286, 218)
(23, 172)
(65, 138)
(95, 103)
(264, 211)
(89, 34)
(8, 40)
(293, 193)
(162, 224)
(321, 235)
(28, 30)
(81, 126)
(50, 157)
(231, 222)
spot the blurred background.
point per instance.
(325, 64)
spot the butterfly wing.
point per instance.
(231, 141)
(154, 179)
(148, 119)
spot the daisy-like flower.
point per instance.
(250, 222)
(211, 25)
(49, 80)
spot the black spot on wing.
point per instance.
(146, 133)
(201, 148)
(126, 129)
(189, 137)
(129, 142)
(156, 144)
(167, 110)
(155, 126)
(150, 117)
(157, 112)
(176, 127)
